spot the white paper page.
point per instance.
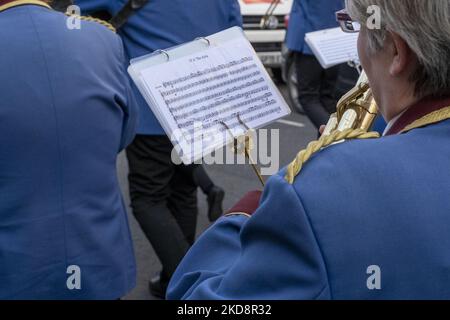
(333, 46)
(194, 95)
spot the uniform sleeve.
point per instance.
(214, 253)
(273, 255)
(235, 14)
(130, 107)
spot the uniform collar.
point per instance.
(424, 112)
(8, 4)
(391, 123)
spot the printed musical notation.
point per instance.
(215, 90)
(236, 88)
(333, 46)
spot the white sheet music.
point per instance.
(333, 46)
(211, 93)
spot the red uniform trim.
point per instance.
(248, 204)
(417, 111)
(3, 2)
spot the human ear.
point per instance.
(401, 55)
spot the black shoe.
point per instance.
(215, 199)
(156, 289)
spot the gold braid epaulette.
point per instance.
(431, 118)
(314, 147)
(99, 21)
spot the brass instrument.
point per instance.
(356, 113)
(355, 110)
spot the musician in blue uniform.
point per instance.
(163, 194)
(66, 110)
(363, 219)
(316, 86)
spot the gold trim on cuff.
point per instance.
(23, 2)
(238, 214)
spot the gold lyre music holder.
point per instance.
(244, 143)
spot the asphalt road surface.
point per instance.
(295, 133)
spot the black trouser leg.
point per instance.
(183, 201)
(199, 177)
(156, 190)
(316, 88)
(328, 89)
(202, 179)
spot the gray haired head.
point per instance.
(425, 26)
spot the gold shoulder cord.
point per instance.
(91, 19)
(294, 169)
(314, 147)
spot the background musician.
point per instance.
(164, 195)
(66, 111)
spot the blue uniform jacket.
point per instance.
(308, 16)
(366, 219)
(66, 110)
(162, 24)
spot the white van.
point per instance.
(267, 40)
